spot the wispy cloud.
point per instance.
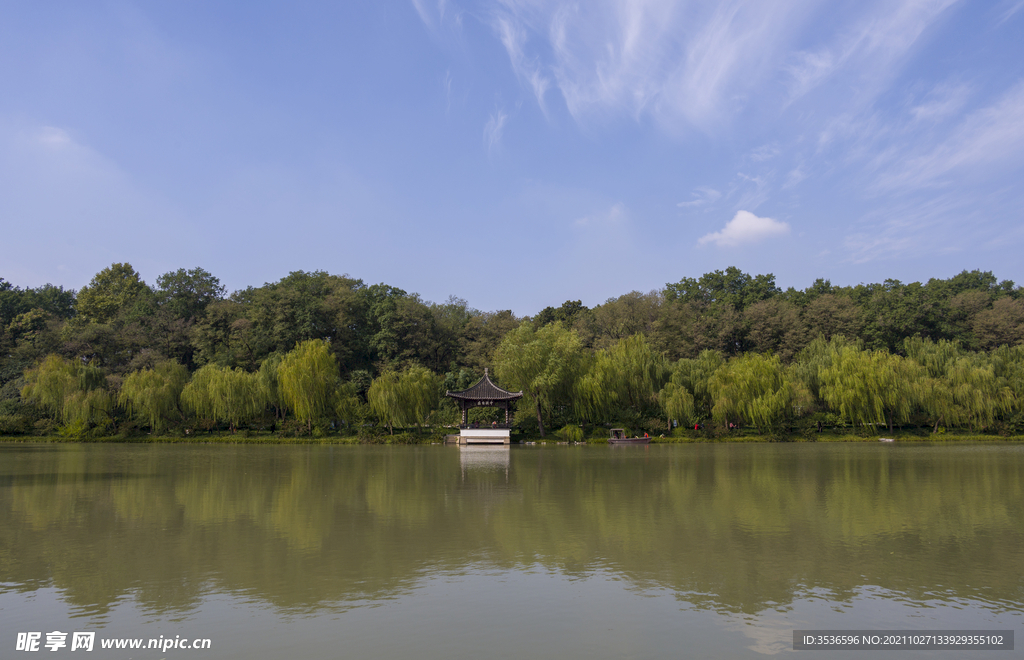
(702, 197)
(752, 191)
(59, 192)
(613, 217)
(513, 37)
(985, 137)
(447, 84)
(424, 10)
(764, 152)
(494, 129)
(910, 229)
(1011, 10)
(795, 176)
(53, 137)
(870, 51)
(438, 15)
(943, 101)
(745, 228)
(696, 66)
(680, 64)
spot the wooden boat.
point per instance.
(618, 437)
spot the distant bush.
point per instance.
(15, 425)
(570, 433)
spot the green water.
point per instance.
(716, 551)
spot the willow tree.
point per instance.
(153, 394)
(51, 383)
(347, 406)
(623, 377)
(420, 389)
(817, 355)
(223, 394)
(937, 402)
(86, 409)
(270, 386)
(935, 357)
(542, 362)
(980, 394)
(385, 399)
(403, 399)
(694, 376)
(75, 394)
(677, 403)
(308, 377)
(1008, 363)
(755, 388)
(872, 388)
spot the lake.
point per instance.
(431, 552)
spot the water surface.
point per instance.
(441, 552)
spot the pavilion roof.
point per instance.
(484, 390)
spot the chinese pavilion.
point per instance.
(485, 393)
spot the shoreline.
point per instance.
(268, 439)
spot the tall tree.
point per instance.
(755, 388)
(111, 291)
(402, 399)
(76, 394)
(153, 394)
(308, 377)
(187, 293)
(223, 394)
(624, 378)
(694, 376)
(677, 404)
(872, 387)
(541, 362)
(732, 287)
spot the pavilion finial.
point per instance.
(485, 371)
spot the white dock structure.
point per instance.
(490, 436)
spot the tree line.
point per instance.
(320, 353)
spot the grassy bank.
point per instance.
(686, 437)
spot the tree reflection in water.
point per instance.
(728, 528)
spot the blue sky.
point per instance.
(512, 153)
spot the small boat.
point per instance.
(618, 437)
(887, 440)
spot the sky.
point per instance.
(512, 153)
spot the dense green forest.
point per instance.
(324, 354)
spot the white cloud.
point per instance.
(745, 228)
(702, 196)
(493, 130)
